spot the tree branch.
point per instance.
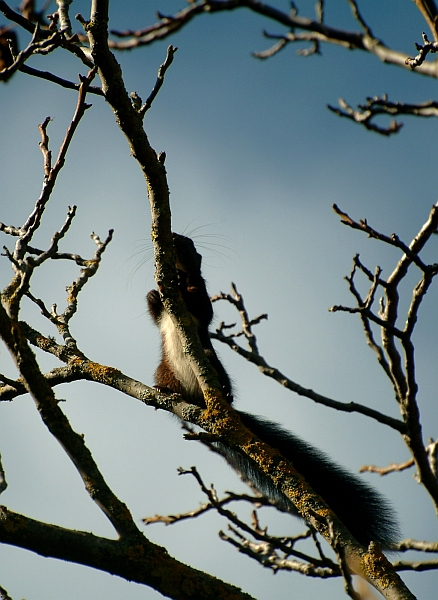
(58, 425)
(219, 418)
(160, 79)
(317, 30)
(402, 372)
(140, 560)
(58, 80)
(423, 51)
(382, 106)
(34, 47)
(255, 358)
(323, 567)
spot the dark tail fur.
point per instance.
(363, 511)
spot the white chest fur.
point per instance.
(174, 353)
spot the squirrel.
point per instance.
(364, 512)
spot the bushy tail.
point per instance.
(364, 512)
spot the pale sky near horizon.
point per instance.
(255, 161)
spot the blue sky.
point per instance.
(255, 161)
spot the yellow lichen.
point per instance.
(376, 567)
(100, 373)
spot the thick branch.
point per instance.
(139, 561)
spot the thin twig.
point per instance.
(59, 80)
(284, 544)
(419, 546)
(392, 468)
(160, 79)
(35, 46)
(402, 361)
(278, 376)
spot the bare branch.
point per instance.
(90, 268)
(18, 18)
(359, 18)
(57, 236)
(269, 371)
(431, 565)
(237, 301)
(364, 116)
(135, 559)
(420, 546)
(346, 572)
(392, 240)
(393, 467)
(268, 558)
(376, 280)
(418, 294)
(63, 15)
(34, 47)
(283, 544)
(382, 106)
(368, 314)
(58, 80)
(59, 426)
(315, 31)
(51, 174)
(73, 290)
(314, 48)
(282, 43)
(423, 51)
(23, 266)
(207, 506)
(72, 44)
(402, 370)
(160, 79)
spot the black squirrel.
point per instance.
(365, 513)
